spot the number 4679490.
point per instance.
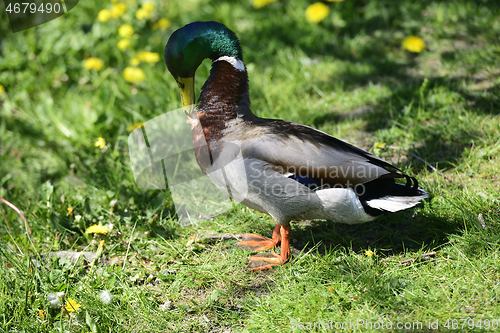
(454, 324)
(32, 8)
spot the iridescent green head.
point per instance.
(190, 45)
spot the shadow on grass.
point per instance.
(389, 234)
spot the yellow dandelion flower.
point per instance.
(141, 14)
(72, 305)
(317, 12)
(2, 89)
(414, 44)
(93, 63)
(162, 24)
(126, 31)
(100, 143)
(123, 44)
(97, 229)
(381, 145)
(118, 10)
(100, 249)
(134, 61)
(148, 56)
(369, 253)
(41, 313)
(70, 210)
(104, 15)
(132, 127)
(261, 3)
(148, 6)
(133, 74)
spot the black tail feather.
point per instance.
(384, 188)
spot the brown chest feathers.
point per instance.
(224, 97)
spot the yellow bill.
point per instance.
(186, 87)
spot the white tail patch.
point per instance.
(395, 203)
(238, 64)
(341, 205)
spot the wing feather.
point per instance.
(298, 149)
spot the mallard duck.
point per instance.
(287, 170)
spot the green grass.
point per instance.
(347, 76)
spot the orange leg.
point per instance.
(266, 261)
(253, 242)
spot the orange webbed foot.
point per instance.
(253, 242)
(265, 261)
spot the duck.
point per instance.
(287, 170)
